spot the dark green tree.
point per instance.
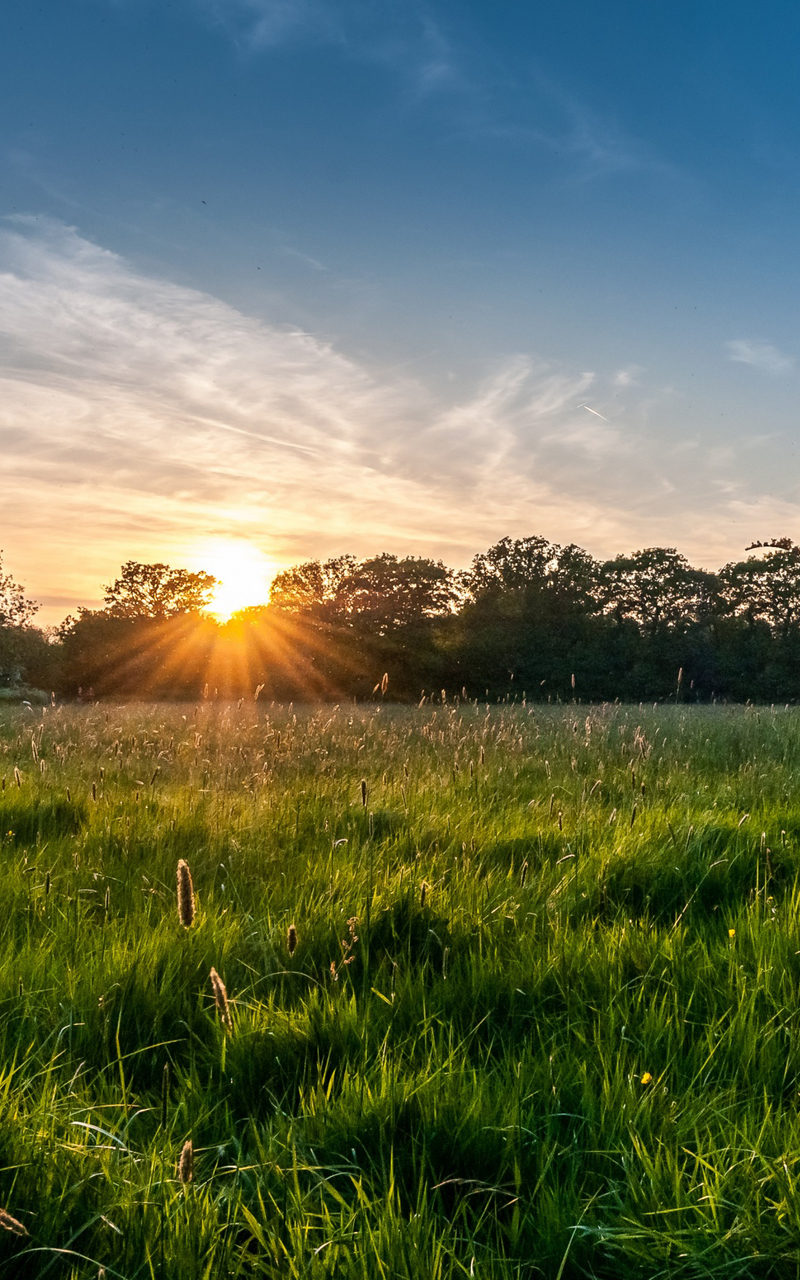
(385, 593)
(765, 588)
(657, 587)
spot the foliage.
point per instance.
(312, 588)
(382, 592)
(657, 588)
(529, 620)
(156, 591)
(565, 1042)
(16, 610)
(17, 637)
(765, 588)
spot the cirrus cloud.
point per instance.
(139, 418)
(761, 355)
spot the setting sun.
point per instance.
(243, 575)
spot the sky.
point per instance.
(282, 279)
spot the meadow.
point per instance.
(502, 991)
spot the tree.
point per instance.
(656, 588)
(382, 592)
(765, 588)
(530, 610)
(385, 593)
(549, 577)
(15, 609)
(508, 566)
(16, 634)
(312, 588)
(157, 591)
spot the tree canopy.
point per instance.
(157, 591)
(16, 610)
(657, 587)
(528, 618)
(765, 588)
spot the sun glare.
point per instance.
(243, 575)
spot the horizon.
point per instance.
(243, 585)
(279, 280)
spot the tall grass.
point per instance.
(509, 992)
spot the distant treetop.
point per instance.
(157, 591)
(16, 610)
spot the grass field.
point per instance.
(542, 1017)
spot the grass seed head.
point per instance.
(185, 894)
(291, 939)
(364, 792)
(186, 1162)
(221, 998)
(11, 1224)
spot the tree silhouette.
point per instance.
(765, 588)
(157, 591)
(16, 610)
(657, 587)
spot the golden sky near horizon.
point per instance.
(143, 420)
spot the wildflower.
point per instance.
(647, 1078)
(731, 933)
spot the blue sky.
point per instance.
(288, 278)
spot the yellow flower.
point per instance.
(731, 933)
(646, 1078)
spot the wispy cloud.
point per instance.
(535, 110)
(402, 34)
(628, 377)
(139, 418)
(486, 99)
(761, 355)
(262, 24)
(598, 146)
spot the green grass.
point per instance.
(549, 904)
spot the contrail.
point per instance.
(254, 435)
(594, 411)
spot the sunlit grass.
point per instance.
(541, 1017)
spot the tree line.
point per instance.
(529, 619)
